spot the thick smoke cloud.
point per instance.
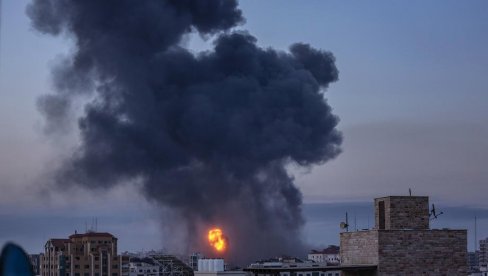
(207, 135)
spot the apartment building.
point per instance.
(88, 254)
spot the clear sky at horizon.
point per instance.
(412, 96)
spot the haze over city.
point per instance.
(411, 99)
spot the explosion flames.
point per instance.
(217, 239)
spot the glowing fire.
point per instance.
(217, 239)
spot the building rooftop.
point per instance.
(92, 234)
(58, 242)
(332, 249)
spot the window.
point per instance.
(77, 266)
(381, 215)
(86, 274)
(87, 266)
(115, 274)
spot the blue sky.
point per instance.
(412, 97)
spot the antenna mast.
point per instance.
(475, 235)
(355, 225)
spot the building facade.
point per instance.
(329, 255)
(402, 242)
(473, 262)
(88, 254)
(292, 267)
(35, 260)
(193, 260)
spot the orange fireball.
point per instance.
(217, 239)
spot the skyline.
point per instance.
(411, 97)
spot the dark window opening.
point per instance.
(381, 215)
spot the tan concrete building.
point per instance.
(402, 242)
(88, 254)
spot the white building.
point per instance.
(215, 267)
(210, 265)
(329, 255)
(142, 269)
(291, 267)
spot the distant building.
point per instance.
(156, 264)
(143, 267)
(289, 266)
(35, 260)
(329, 255)
(210, 265)
(89, 254)
(483, 253)
(215, 267)
(473, 262)
(193, 260)
(403, 244)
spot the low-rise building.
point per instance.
(329, 255)
(287, 266)
(215, 267)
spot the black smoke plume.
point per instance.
(208, 135)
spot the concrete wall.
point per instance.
(359, 247)
(422, 252)
(404, 212)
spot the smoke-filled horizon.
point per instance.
(207, 135)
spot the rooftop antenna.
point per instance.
(355, 225)
(433, 215)
(345, 225)
(475, 235)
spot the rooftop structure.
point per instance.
(402, 242)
